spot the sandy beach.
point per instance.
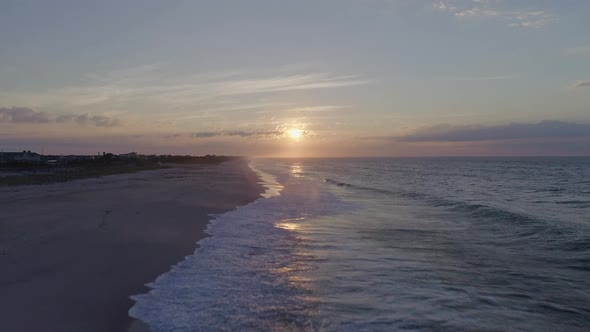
(72, 253)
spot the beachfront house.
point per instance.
(130, 155)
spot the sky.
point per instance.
(321, 78)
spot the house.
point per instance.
(130, 155)
(20, 157)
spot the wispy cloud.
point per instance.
(27, 115)
(238, 133)
(83, 119)
(148, 85)
(315, 109)
(522, 18)
(486, 78)
(581, 84)
(451, 133)
(578, 50)
(530, 19)
(23, 115)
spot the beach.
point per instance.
(72, 253)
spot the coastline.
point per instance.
(73, 253)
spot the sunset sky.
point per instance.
(296, 78)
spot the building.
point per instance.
(20, 157)
(130, 155)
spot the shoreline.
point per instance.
(74, 252)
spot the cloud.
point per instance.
(530, 19)
(27, 115)
(22, 115)
(238, 133)
(315, 109)
(204, 134)
(489, 9)
(287, 83)
(84, 119)
(150, 87)
(543, 129)
(580, 50)
(581, 84)
(268, 133)
(486, 78)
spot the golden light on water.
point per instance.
(296, 170)
(288, 226)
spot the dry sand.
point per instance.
(72, 253)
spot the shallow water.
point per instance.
(392, 244)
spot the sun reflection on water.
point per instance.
(269, 182)
(289, 224)
(295, 274)
(294, 271)
(296, 170)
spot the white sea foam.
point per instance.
(246, 276)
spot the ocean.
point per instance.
(391, 244)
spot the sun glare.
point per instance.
(295, 133)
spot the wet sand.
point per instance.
(72, 253)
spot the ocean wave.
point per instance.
(551, 190)
(338, 183)
(247, 276)
(522, 225)
(349, 185)
(478, 210)
(573, 202)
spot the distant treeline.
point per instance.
(105, 159)
(27, 173)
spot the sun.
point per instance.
(295, 133)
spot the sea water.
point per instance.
(391, 244)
